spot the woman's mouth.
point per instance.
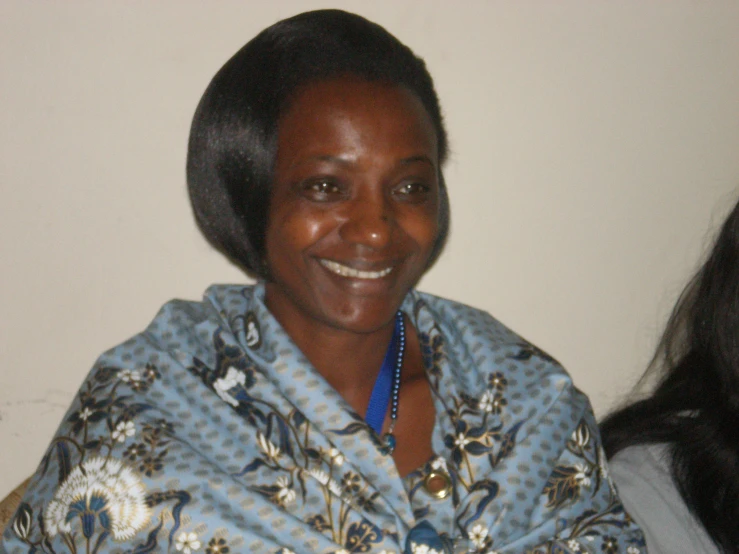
(346, 271)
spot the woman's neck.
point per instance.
(349, 361)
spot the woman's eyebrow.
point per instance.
(420, 158)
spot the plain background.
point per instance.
(594, 149)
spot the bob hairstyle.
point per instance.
(233, 136)
(695, 407)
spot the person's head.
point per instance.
(354, 209)
(695, 407)
(234, 135)
(704, 326)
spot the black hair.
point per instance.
(695, 406)
(233, 135)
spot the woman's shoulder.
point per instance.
(644, 481)
(219, 302)
(510, 415)
(188, 324)
(471, 351)
(472, 324)
(480, 344)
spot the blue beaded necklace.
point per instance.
(387, 386)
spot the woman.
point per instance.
(329, 408)
(675, 454)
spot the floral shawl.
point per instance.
(211, 432)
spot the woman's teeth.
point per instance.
(346, 271)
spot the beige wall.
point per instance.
(594, 146)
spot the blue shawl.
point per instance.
(211, 432)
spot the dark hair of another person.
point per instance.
(233, 138)
(695, 407)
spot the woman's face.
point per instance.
(355, 204)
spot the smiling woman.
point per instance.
(354, 196)
(353, 220)
(330, 407)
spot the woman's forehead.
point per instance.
(349, 107)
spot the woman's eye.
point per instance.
(322, 189)
(413, 190)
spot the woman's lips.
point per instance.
(346, 271)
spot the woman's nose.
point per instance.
(368, 223)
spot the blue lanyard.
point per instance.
(377, 408)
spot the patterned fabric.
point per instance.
(210, 432)
(9, 505)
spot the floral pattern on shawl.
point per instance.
(211, 432)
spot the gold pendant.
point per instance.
(438, 484)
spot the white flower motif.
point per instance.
(270, 449)
(187, 543)
(100, 486)
(487, 402)
(422, 549)
(286, 551)
(124, 429)
(478, 534)
(439, 463)
(319, 475)
(581, 476)
(573, 545)
(461, 440)
(419, 548)
(286, 494)
(224, 384)
(342, 551)
(129, 375)
(336, 456)
(632, 550)
(84, 414)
